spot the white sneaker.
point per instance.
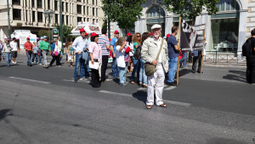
(83, 78)
(13, 62)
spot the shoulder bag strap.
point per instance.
(160, 49)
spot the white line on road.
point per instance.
(72, 80)
(30, 80)
(130, 95)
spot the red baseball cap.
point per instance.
(168, 35)
(116, 32)
(129, 34)
(93, 34)
(82, 30)
(28, 38)
(151, 33)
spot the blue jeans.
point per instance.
(35, 57)
(172, 69)
(136, 64)
(2, 54)
(8, 57)
(115, 68)
(142, 76)
(61, 56)
(184, 59)
(122, 74)
(29, 54)
(79, 63)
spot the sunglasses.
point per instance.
(138, 36)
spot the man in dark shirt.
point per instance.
(250, 58)
(173, 54)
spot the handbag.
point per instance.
(149, 67)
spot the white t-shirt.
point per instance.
(14, 46)
(120, 57)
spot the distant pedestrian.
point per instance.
(71, 55)
(173, 54)
(131, 53)
(80, 45)
(15, 48)
(55, 53)
(35, 53)
(96, 57)
(115, 69)
(29, 51)
(150, 49)
(66, 50)
(122, 60)
(104, 43)
(1, 50)
(7, 52)
(197, 59)
(45, 48)
(137, 39)
(40, 51)
(248, 50)
(142, 75)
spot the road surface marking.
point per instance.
(72, 80)
(130, 95)
(166, 87)
(30, 80)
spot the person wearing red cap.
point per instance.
(115, 69)
(129, 34)
(95, 53)
(29, 50)
(80, 45)
(105, 46)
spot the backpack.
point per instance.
(137, 54)
(246, 47)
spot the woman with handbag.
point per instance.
(55, 51)
(96, 60)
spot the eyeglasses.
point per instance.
(138, 36)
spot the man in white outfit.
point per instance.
(150, 49)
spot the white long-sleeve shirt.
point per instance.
(80, 44)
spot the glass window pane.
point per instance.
(228, 5)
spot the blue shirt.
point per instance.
(35, 49)
(171, 42)
(113, 43)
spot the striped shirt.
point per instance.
(103, 42)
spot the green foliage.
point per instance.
(125, 12)
(66, 30)
(43, 33)
(191, 8)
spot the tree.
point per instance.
(125, 12)
(66, 30)
(43, 33)
(191, 8)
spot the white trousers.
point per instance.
(45, 62)
(156, 85)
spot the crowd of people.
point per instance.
(148, 57)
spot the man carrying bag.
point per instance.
(155, 53)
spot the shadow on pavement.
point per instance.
(224, 141)
(140, 95)
(4, 113)
(241, 76)
(184, 72)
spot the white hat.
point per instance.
(155, 26)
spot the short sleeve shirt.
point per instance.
(103, 42)
(28, 46)
(171, 41)
(113, 43)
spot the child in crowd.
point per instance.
(122, 59)
(35, 52)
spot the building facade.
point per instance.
(225, 31)
(29, 14)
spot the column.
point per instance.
(140, 26)
(168, 24)
(242, 31)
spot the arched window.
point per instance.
(228, 5)
(154, 12)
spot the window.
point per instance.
(79, 19)
(56, 18)
(48, 4)
(56, 5)
(78, 0)
(63, 19)
(67, 20)
(78, 9)
(39, 3)
(16, 2)
(96, 11)
(66, 7)
(97, 21)
(16, 14)
(87, 1)
(93, 11)
(26, 15)
(33, 16)
(62, 6)
(87, 10)
(87, 19)
(33, 3)
(92, 2)
(228, 5)
(40, 16)
(96, 2)
(84, 10)
(154, 12)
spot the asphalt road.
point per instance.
(45, 106)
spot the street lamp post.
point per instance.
(9, 27)
(49, 14)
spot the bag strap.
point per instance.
(160, 49)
